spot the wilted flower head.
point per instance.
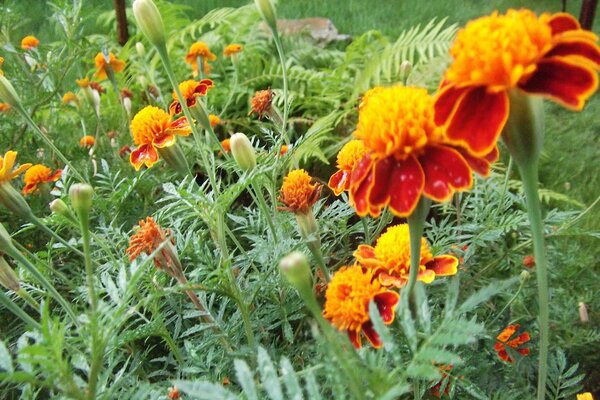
(297, 193)
(347, 158)
(148, 237)
(29, 42)
(232, 49)
(97, 87)
(504, 339)
(126, 93)
(39, 174)
(87, 141)
(7, 173)
(347, 301)
(261, 102)
(102, 65)
(190, 90)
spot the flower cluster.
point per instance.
(516, 343)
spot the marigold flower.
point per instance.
(585, 396)
(261, 102)
(347, 301)
(390, 258)
(347, 158)
(199, 50)
(29, 42)
(4, 107)
(124, 151)
(435, 389)
(504, 339)
(1, 63)
(283, 149)
(226, 144)
(232, 49)
(214, 120)
(190, 90)
(39, 174)
(298, 193)
(102, 65)
(70, 97)
(148, 237)
(83, 82)
(7, 173)
(549, 55)
(87, 141)
(153, 129)
(408, 155)
(529, 261)
(174, 393)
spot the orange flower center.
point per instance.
(396, 120)
(393, 249)
(151, 122)
(350, 154)
(37, 174)
(297, 192)
(498, 50)
(348, 295)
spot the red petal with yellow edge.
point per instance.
(355, 338)
(164, 141)
(446, 171)
(360, 181)
(390, 280)
(370, 333)
(478, 120)
(445, 103)
(405, 186)
(361, 170)
(386, 304)
(563, 81)
(145, 154)
(339, 182)
(29, 188)
(562, 22)
(443, 265)
(426, 275)
(365, 255)
(580, 48)
(481, 165)
(179, 127)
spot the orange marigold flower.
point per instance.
(39, 174)
(585, 396)
(7, 163)
(83, 82)
(87, 141)
(200, 50)
(232, 49)
(4, 107)
(347, 301)
(298, 193)
(152, 129)
(283, 150)
(29, 42)
(529, 261)
(390, 258)
(70, 97)
(226, 144)
(261, 102)
(174, 393)
(347, 158)
(407, 154)
(214, 120)
(190, 90)
(504, 339)
(549, 55)
(102, 65)
(147, 239)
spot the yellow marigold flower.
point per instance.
(232, 49)
(261, 102)
(585, 396)
(152, 129)
(549, 55)
(190, 90)
(148, 237)
(298, 193)
(29, 42)
(4, 107)
(83, 82)
(7, 163)
(214, 120)
(347, 158)
(70, 97)
(390, 258)
(39, 174)
(101, 65)
(347, 301)
(87, 141)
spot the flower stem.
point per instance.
(529, 176)
(285, 86)
(416, 222)
(36, 221)
(18, 311)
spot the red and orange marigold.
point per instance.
(347, 300)
(38, 175)
(549, 55)
(298, 192)
(407, 154)
(347, 158)
(87, 141)
(261, 102)
(390, 258)
(148, 237)
(200, 50)
(101, 65)
(516, 343)
(29, 42)
(190, 90)
(152, 129)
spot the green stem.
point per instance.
(262, 204)
(504, 187)
(18, 311)
(365, 225)
(416, 222)
(25, 296)
(36, 221)
(315, 249)
(285, 86)
(529, 176)
(235, 85)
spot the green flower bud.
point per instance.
(267, 12)
(296, 270)
(6, 244)
(141, 50)
(14, 201)
(149, 21)
(242, 151)
(524, 276)
(8, 278)
(61, 208)
(8, 93)
(81, 195)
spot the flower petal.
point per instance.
(443, 265)
(365, 255)
(354, 337)
(163, 141)
(339, 182)
(445, 103)
(145, 154)
(29, 188)
(478, 119)
(179, 127)
(360, 180)
(386, 304)
(390, 280)
(426, 275)
(399, 183)
(563, 81)
(371, 334)
(585, 49)
(175, 108)
(562, 22)
(55, 176)
(445, 172)
(481, 165)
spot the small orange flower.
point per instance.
(29, 42)
(39, 174)
(201, 50)
(226, 144)
(261, 102)
(147, 239)
(390, 258)
(407, 154)
(347, 301)
(298, 193)
(529, 261)
(549, 55)
(504, 339)
(347, 158)
(214, 120)
(70, 98)
(153, 129)
(232, 49)
(283, 150)
(7, 173)
(87, 141)
(190, 90)
(102, 65)
(174, 393)
(4, 107)
(83, 82)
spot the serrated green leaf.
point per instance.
(485, 294)
(5, 358)
(204, 390)
(268, 375)
(290, 380)
(245, 379)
